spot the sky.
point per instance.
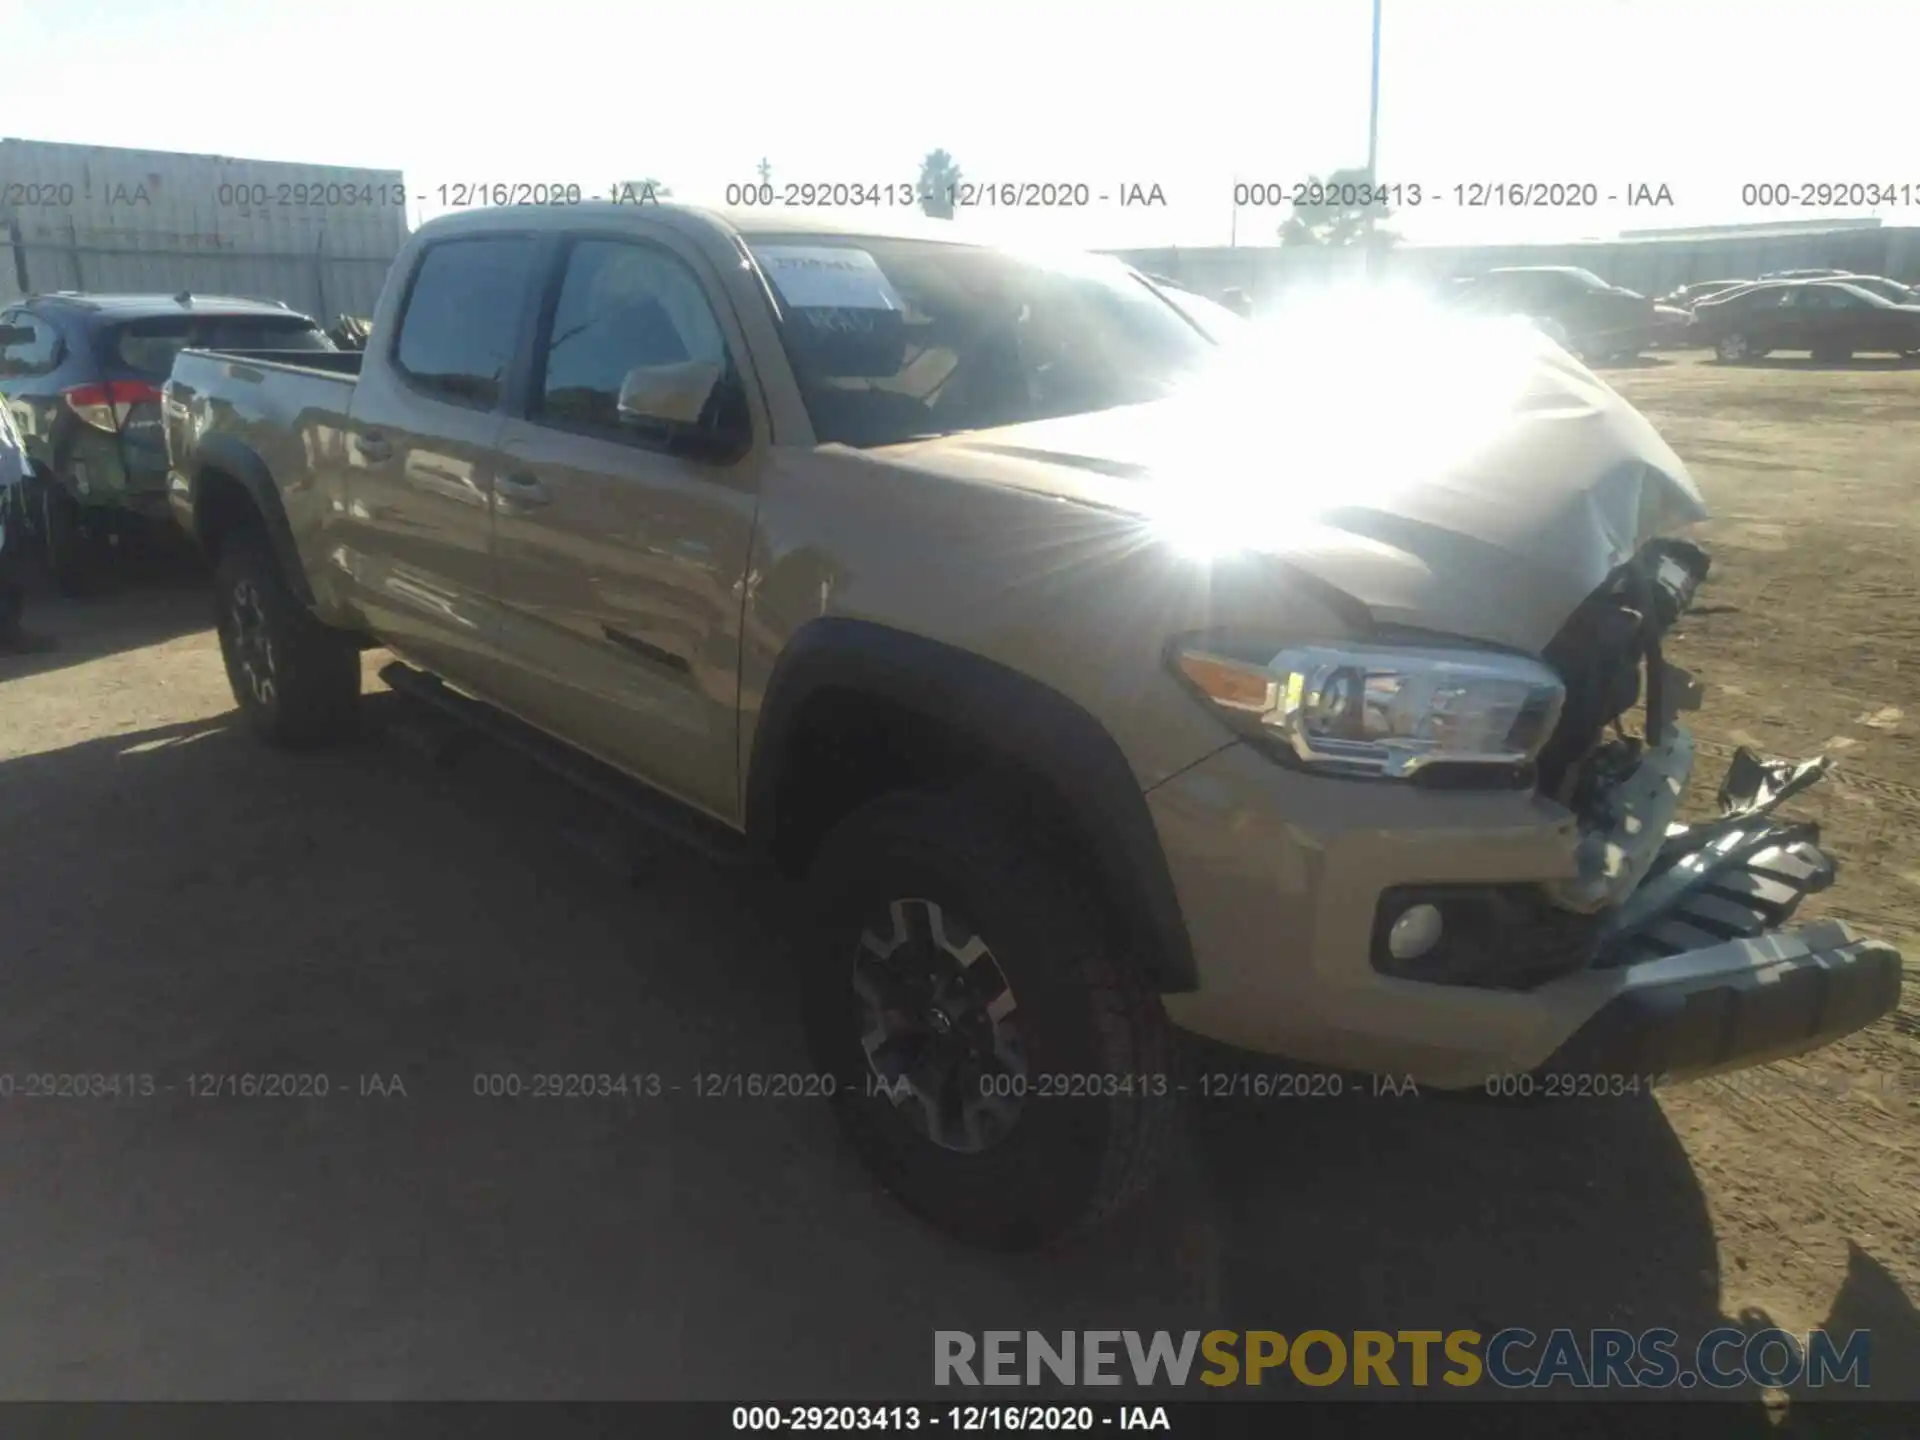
(1702, 97)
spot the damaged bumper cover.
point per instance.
(1706, 979)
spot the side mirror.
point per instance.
(675, 394)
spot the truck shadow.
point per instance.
(154, 597)
(202, 905)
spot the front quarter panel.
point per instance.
(1083, 600)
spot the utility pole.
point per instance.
(1373, 140)
(1373, 106)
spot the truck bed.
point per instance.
(269, 416)
(332, 362)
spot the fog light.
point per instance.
(1414, 932)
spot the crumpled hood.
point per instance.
(1481, 484)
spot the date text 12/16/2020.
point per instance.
(1469, 195)
(956, 195)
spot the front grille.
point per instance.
(1739, 887)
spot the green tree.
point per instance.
(766, 171)
(938, 177)
(641, 191)
(1340, 219)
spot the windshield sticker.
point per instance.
(834, 277)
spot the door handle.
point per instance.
(375, 447)
(523, 490)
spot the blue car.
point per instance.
(82, 376)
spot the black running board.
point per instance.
(659, 813)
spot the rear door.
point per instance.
(1773, 319)
(419, 459)
(621, 546)
(1853, 322)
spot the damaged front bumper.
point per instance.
(1703, 977)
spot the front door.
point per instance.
(620, 547)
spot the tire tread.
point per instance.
(318, 668)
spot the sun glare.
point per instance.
(1354, 394)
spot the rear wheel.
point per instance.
(999, 1064)
(297, 681)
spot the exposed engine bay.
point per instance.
(1601, 655)
(1668, 886)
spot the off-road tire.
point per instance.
(313, 669)
(1085, 1010)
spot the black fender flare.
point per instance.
(1009, 714)
(232, 457)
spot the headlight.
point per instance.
(1377, 710)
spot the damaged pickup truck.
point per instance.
(1093, 682)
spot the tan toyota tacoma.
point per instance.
(1097, 678)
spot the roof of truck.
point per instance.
(899, 222)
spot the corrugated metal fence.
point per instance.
(84, 217)
(1651, 266)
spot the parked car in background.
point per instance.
(1600, 321)
(1894, 290)
(1708, 302)
(1687, 296)
(1830, 319)
(1672, 327)
(83, 374)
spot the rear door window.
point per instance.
(462, 318)
(31, 348)
(147, 347)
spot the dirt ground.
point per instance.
(1808, 638)
(180, 903)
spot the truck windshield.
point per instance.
(894, 340)
(147, 347)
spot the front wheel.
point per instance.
(997, 1061)
(296, 681)
(1733, 348)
